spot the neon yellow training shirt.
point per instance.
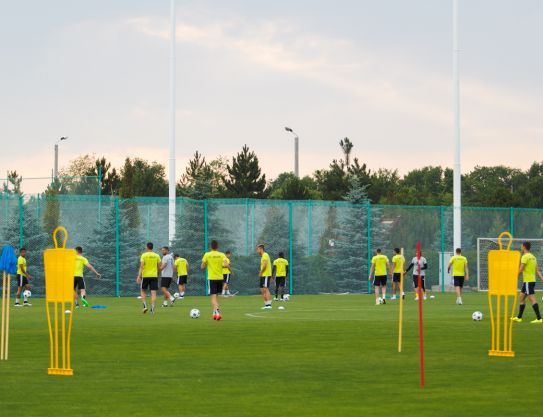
(21, 262)
(530, 264)
(80, 263)
(151, 261)
(280, 267)
(458, 263)
(226, 269)
(214, 261)
(268, 270)
(181, 267)
(380, 262)
(399, 262)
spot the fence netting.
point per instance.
(329, 245)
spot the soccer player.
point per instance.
(23, 278)
(182, 268)
(226, 274)
(397, 264)
(148, 276)
(280, 269)
(379, 270)
(166, 276)
(528, 268)
(215, 261)
(459, 265)
(265, 274)
(79, 282)
(423, 264)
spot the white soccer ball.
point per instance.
(286, 297)
(176, 295)
(477, 316)
(380, 300)
(27, 293)
(331, 243)
(280, 308)
(194, 313)
(67, 312)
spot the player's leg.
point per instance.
(384, 289)
(19, 290)
(265, 291)
(182, 285)
(214, 287)
(143, 293)
(416, 287)
(26, 303)
(423, 283)
(154, 290)
(535, 306)
(276, 289)
(458, 285)
(522, 304)
(76, 297)
(281, 282)
(165, 288)
(376, 290)
(83, 291)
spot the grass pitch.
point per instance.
(321, 356)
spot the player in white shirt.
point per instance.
(166, 268)
(415, 264)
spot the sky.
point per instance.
(378, 72)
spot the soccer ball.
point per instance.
(477, 316)
(380, 300)
(332, 243)
(280, 308)
(286, 297)
(194, 313)
(27, 293)
(176, 295)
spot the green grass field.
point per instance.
(321, 356)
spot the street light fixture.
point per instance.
(296, 156)
(55, 169)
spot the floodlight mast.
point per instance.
(55, 166)
(296, 151)
(172, 160)
(457, 179)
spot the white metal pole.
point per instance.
(171, 176)
(457, 179)
(55, 166)
(296, 157)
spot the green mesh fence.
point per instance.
(328, 244)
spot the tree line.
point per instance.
(241, 177)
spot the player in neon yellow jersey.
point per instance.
(529, 269)
(460, 271)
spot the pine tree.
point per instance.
(245, 178)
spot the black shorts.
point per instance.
(380, 281)
(396, 277)
(215, 286)
(528, 288)
(79, 282)
(416, 281)
(459, 281)
(22, 280)
(280, 281)
(226, 278)
(165, 282)
(149, 283)
(264, 282)
(182, 280)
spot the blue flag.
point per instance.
(8, 260)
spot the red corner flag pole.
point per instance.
(421, 335)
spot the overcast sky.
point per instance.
(378, 72)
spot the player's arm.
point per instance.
(187, 268)
(162, 265)
(449, 267)
(425, 265)
(203, 265)
(539, 274)
(411, 265)
(25, 271)
(263, 267)
(466, 270)
(138, 279)
(274, 271)
(521, 268)
(372, 268)
(93, 270)
(287, 269)
(389, 268)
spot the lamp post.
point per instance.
(296, 154)
(457, 179)
(55, 168)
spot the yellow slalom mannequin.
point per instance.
(59, 281)
(502, 285)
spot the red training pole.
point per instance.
(421, 335)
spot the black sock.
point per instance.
(536, 309)
(521, 310)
